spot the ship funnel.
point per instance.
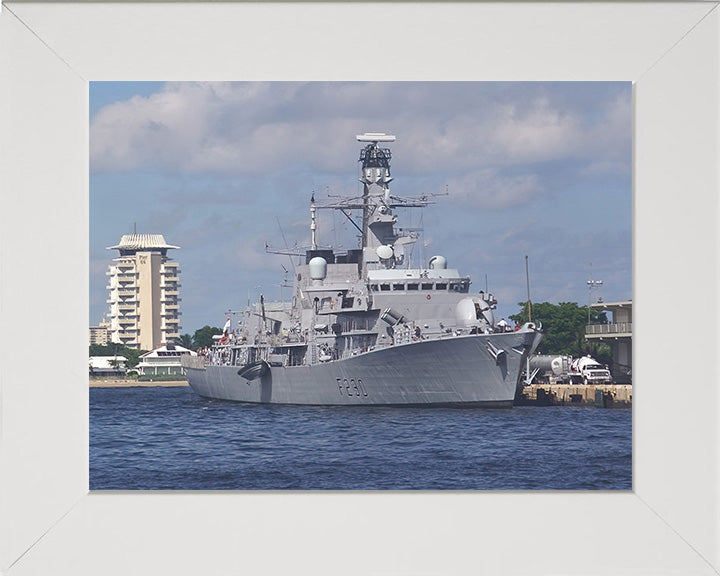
(318, 268)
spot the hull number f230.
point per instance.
(351, 387)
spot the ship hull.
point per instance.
(476, 370)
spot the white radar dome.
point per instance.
(318, 268)
(385, 252)
(438, 263)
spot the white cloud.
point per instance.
(488, 190)
(213, 166)
(237, 128)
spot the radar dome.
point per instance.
(318, 268)
(438, 263)
(385, 252)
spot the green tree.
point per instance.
(564, 328)
(203, 337)
(186, 341)
(115, 363)
(114, 349)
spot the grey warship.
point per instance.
(363, 327)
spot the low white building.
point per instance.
(108, 366)
(163, 361)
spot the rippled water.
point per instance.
(170, 438)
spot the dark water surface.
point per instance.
(170, 438)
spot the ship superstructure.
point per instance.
(363, 327)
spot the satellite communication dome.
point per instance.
(385, 252)
(438, 263)
(318, 268)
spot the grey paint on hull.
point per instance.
(452, 371)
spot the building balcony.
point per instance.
(125, 306)
(173, 278)
(170, 292)
(126, 292)
(615, 330)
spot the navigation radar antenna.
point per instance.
(375, 137)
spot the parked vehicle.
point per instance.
(557, 369)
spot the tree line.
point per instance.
(563, 326)
(114, 349)
(202, 338)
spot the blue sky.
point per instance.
(537, 169)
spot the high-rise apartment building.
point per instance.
(100, 334)
(144, 293)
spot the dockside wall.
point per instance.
(598, 395)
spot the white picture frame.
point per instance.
(51, 524)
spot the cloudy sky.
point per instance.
(536, 169)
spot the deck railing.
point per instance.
(617, 328)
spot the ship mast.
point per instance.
(375, 176)
(381, 246)
(313, 225)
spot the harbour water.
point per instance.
(171, 439)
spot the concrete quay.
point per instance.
(597, 395)
(130, 383)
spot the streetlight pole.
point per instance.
(591, 285)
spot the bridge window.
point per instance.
(412, 286)
(440, 286)
(427, 286)
(398, 286)
(384, 287)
